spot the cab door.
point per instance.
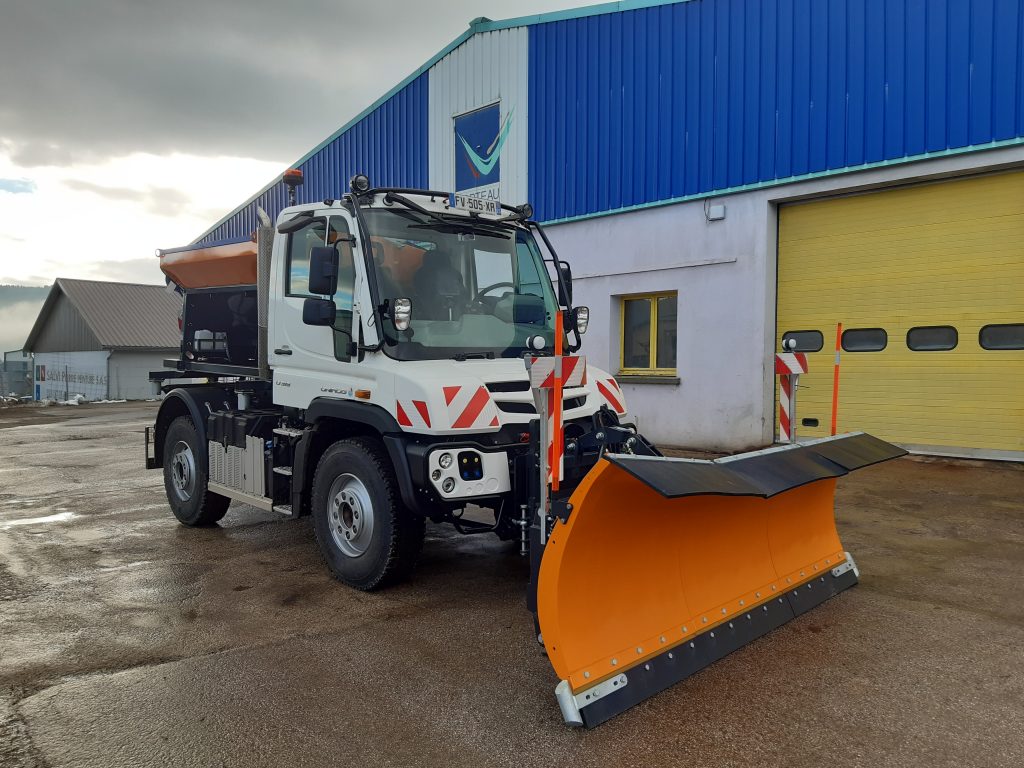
(311, 361)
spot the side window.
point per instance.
(865, 340)
(529, 277)
(649, 328)
(802, 341)
(1004, 336)
(344, 295)
(932, 338)
(299, 246)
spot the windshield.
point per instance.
(477, 288)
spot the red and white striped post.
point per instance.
(788, 367)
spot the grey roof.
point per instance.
(120, 315)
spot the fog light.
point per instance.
(445, 460)
(448, 485)
(401, 313)
(435, 475)
(582, 319)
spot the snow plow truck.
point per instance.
(395, 356)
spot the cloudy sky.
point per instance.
(128, 125)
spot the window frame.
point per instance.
(956, 340)
(653, 340)
(804, 351)
(998, 349)
(842, 340)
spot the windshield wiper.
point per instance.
(462, 357)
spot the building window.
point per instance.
(649, 334)
(932, 338)
(865, 340)
(802, 341)
(1008, 336)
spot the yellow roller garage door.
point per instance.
(928, 282)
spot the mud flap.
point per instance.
(667, 565)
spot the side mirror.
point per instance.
(318, 311)
(323, 270)
(565, 285)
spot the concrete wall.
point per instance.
(724, 272)
(129, 374)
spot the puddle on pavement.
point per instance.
(59, 517)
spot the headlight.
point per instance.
(445, 460)
(448, 485)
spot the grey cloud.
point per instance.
(264, 79)
(165, 201)
(145, 270)
(17, 186)
(215, 77)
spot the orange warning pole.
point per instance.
(556, 409)
(835, 378)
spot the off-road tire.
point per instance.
(202, 507)
(396, 536)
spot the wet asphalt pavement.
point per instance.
(129, 640)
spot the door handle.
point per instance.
(282, 351)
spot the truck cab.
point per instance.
(380, 339)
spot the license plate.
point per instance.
(475, 204)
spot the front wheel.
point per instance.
(185, 477)
(368, 537)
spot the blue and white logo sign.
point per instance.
(480, 137)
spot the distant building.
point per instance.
(102, 339)
(16, 373)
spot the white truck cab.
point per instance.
(365, 360)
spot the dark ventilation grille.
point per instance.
(509, 386)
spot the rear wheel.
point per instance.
(368, 537)
(185, 477)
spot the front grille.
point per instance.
(512, 406)
(509, 386)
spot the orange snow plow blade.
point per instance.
(666, 565)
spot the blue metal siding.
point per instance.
(657, 103)
(389, 145)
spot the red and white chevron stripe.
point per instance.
(610, 391)
(413, 414)
(790, 362)
(470, 407)
(542, 372)
(788, 367)
(785, 408)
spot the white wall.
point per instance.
(59, 375)
(724, 272)
(488, 67)
(129, 374)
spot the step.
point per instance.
(289, 431)
(284, 509)
(283, 471)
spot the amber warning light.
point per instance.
(292, 178)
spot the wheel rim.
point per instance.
(183, 470)
(350, 515)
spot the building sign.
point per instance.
(62, 375)
(480, 137)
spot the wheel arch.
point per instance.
(194, 402)
(333, 420)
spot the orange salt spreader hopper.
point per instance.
(656, 567)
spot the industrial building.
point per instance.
(102, 339)
(723, 174)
